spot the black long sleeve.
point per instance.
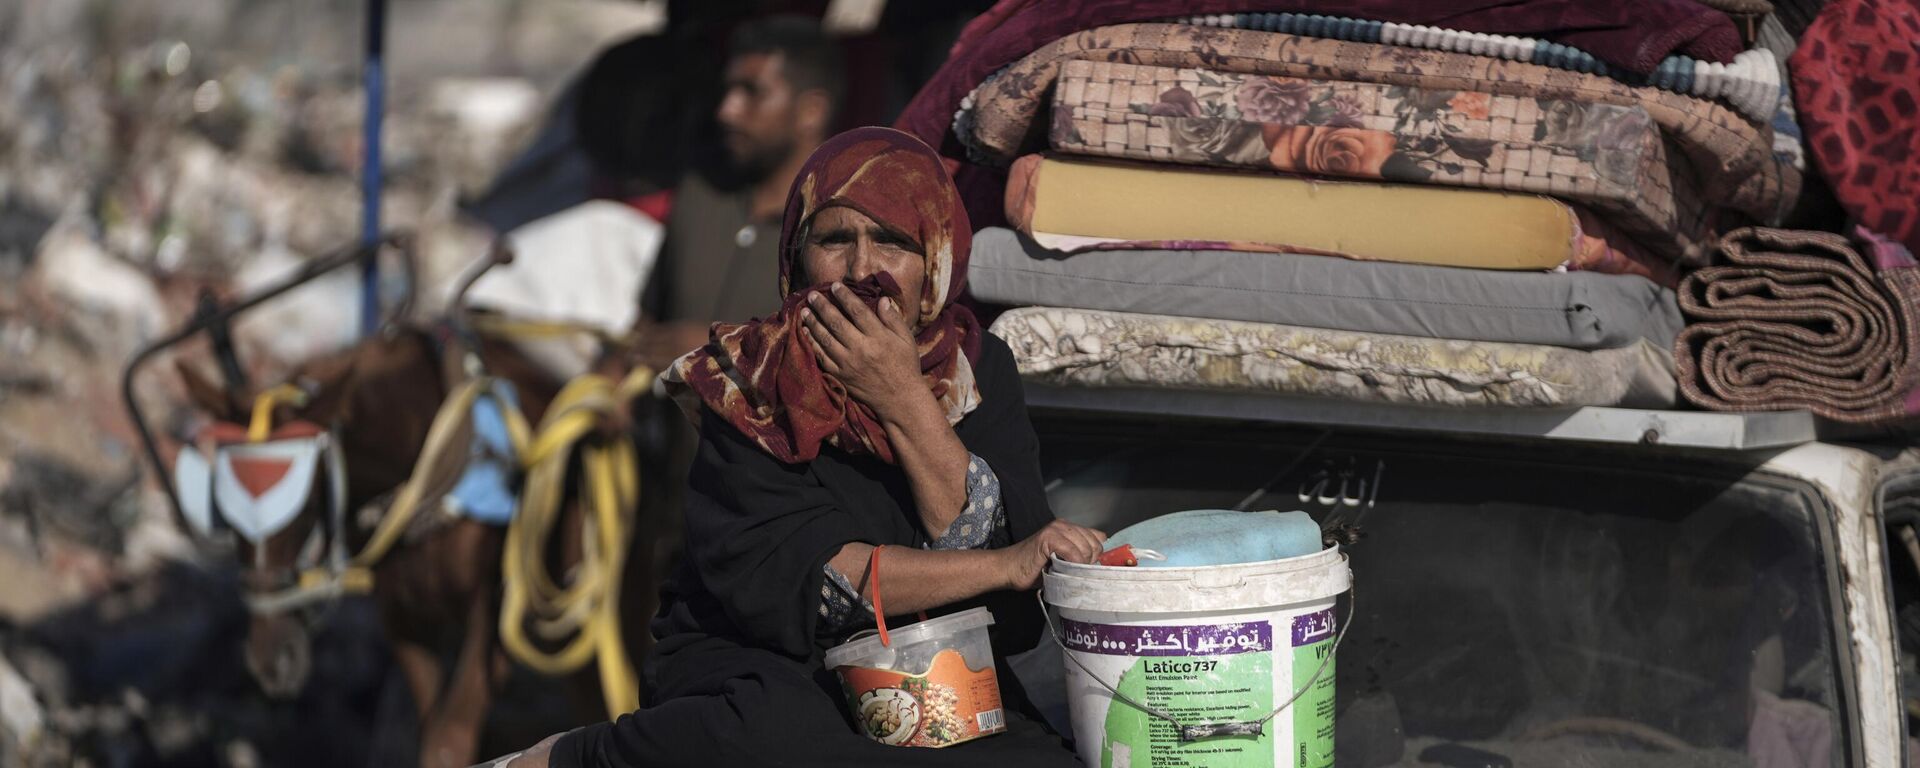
(736, 677)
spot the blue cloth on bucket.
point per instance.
(485, 491)
(1221, 537)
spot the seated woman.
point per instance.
(870, 417)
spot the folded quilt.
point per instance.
(1724, 156)
(1633, 34)
(1092, 348)
(1578, 310)
(1751, 83)
(1075, 205)
(1804, 320)
(1608, 157)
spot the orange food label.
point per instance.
(947, 705)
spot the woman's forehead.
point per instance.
(840, 216)
(843, 218)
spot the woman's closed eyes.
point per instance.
(847, 245)
(843, 236)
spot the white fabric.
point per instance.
(586, 264)
(257, 518)
(193, 481)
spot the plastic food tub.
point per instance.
(932, 685)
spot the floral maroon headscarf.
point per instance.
(762, 376)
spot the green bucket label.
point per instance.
(1214, 673)
(1313, 712)
(1196, 674)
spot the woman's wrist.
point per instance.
(913, 579)
(908, 407)
(994, 571)
(1004, 569)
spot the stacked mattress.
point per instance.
(1322, 206)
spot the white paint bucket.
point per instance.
(1239, 656)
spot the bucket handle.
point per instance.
(1190, 733)
(879, 610)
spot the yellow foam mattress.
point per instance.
(1089, 204)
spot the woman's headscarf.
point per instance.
(762, 376)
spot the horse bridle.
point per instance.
(317, 573)
(307, 582)
(214, 318)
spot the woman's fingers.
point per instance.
(829, 316)
(1073, 543)
(1099, 543)
(1087, 542)
(825, 345)
(1083, 546)
(826, 361)
(855, 310)
(1087, 549)
(893, 318)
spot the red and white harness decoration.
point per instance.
(258, 484)
(258, 487)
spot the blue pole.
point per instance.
(374, 75)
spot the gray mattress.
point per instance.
(1580, 310)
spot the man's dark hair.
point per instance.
(810, 59)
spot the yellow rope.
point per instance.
(497, 326)
(354, 579)
(261, 427)
(442, 436)
(586, 611)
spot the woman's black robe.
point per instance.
(736, 678)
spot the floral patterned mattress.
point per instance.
(1608, 157)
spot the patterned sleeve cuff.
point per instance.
(840, 603)
(983, 513)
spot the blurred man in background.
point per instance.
(784, 82)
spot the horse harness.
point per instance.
(258, 480)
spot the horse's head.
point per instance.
(286, 469)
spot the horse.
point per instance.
(443, 582)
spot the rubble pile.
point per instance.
(149, 153)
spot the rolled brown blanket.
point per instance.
(1804, 320)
